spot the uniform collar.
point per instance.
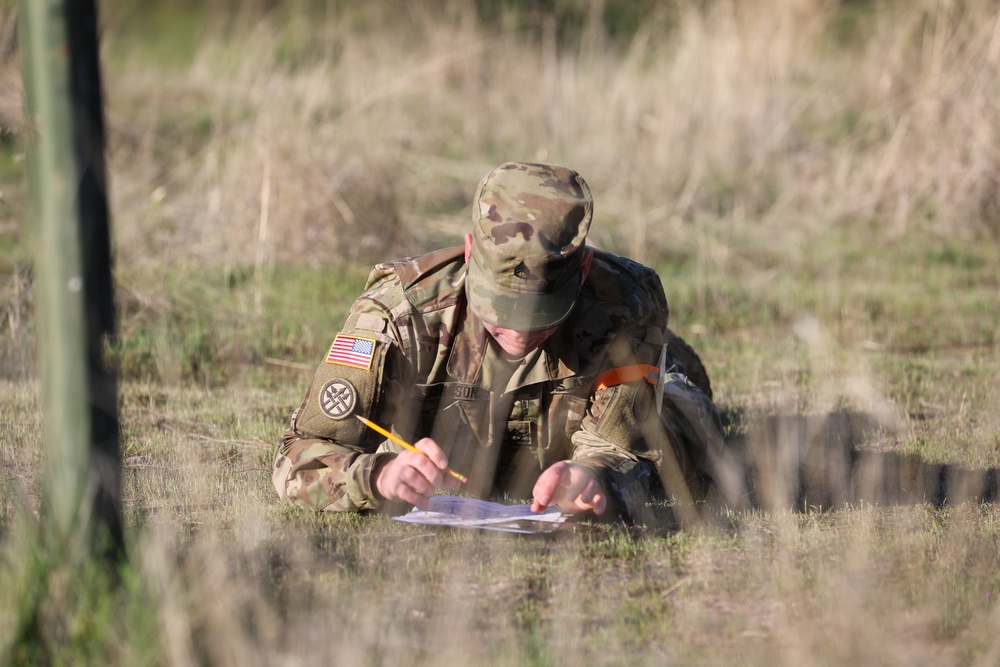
(472, 360)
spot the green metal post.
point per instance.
(73, 275)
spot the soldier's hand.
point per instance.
(572, 488)
(413, 477)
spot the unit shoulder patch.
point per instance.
(338, 398)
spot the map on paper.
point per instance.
(459, 512)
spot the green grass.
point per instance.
(209, 326)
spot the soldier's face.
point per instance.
(518, 343)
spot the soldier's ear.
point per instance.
(588, 255)
(468, 247)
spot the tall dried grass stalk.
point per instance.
(749, 118)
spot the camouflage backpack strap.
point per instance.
(680, 355)
(686, 361)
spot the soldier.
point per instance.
(536, 366)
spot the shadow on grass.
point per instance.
(825, 461)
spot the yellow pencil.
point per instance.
(399, 441)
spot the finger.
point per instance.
(593, 498)
(590, 492)
(417, 480)
(572, 492)
(547, 484)
(393, 487)
(420, 463)
(413, 497)
(581, 492)
(433, 452)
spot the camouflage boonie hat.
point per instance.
(530, 224)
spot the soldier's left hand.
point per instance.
(572, 488)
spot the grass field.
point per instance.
(817, 183)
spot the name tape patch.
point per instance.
(352, 351)
(452, 390)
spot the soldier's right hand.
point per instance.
(413, 477)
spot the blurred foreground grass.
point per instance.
(815, 182)
(220, 573)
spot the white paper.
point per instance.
(460, 512)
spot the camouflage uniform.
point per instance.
(414, 356)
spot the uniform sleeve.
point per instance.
(327, 459)
(634, 443)
(616, 433)
(628, 477)
(624, 435)
(318, 474)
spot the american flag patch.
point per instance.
(352, 351)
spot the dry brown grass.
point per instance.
(730, 120)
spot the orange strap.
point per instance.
(623, 374)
